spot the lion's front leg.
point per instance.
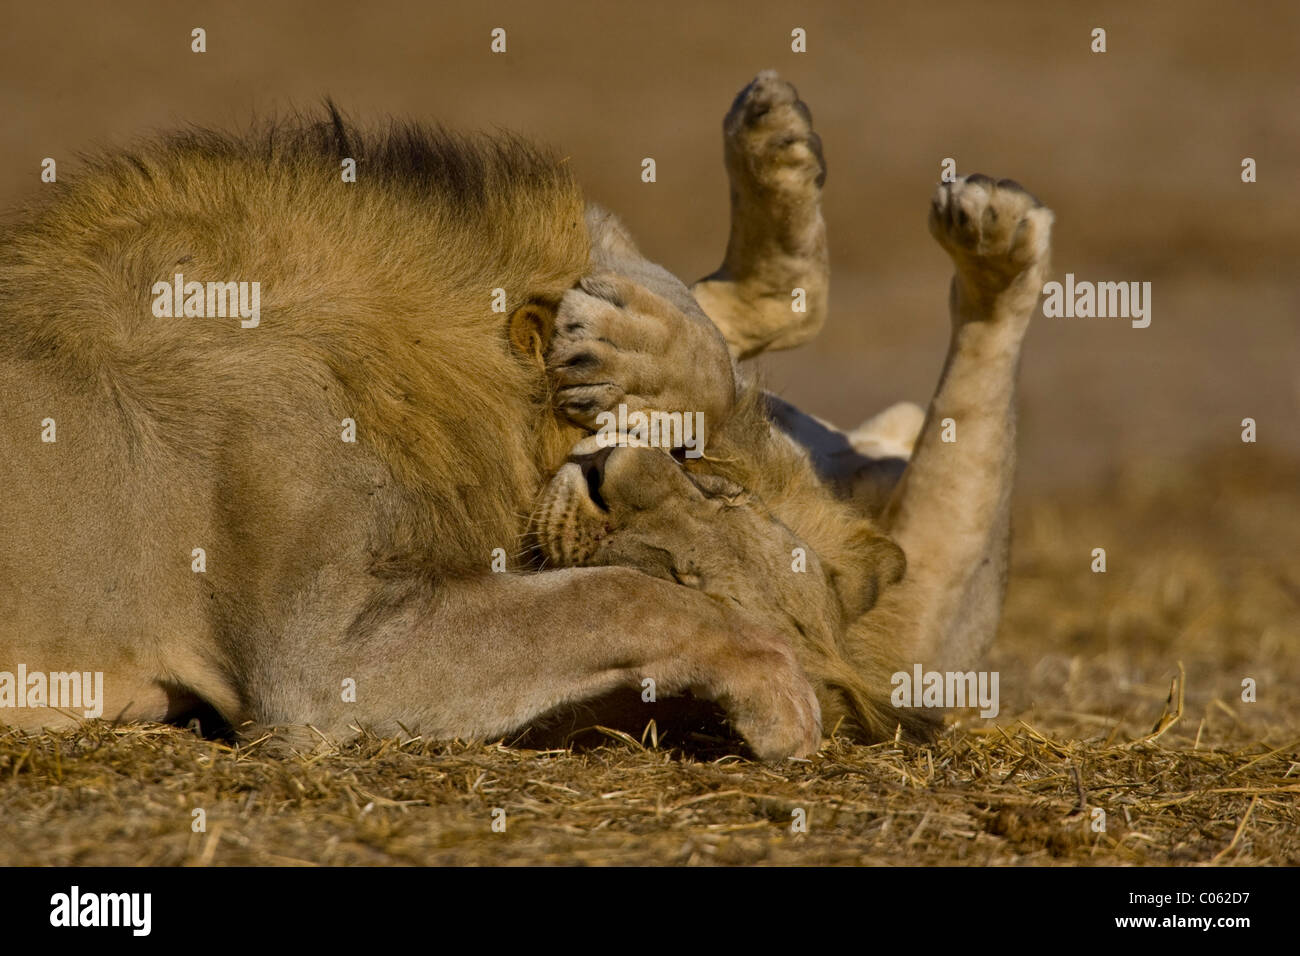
(771, 290)
(483, 657)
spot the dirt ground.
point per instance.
(1130, 438)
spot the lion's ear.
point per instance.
(530, 330)
(874, 563)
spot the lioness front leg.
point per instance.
(950, 512)
(485, 657)
(635, 338)
(778, 236)
(631, 334)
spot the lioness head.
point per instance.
(691, 521)
(642, 508)
(687, 521)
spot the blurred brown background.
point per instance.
(1130, 437)
(1138, 150)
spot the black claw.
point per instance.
(815, 144)
(581, 361)
(581, 406)
(739, 101)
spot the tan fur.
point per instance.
(803, 484)
(778, 236)
(730, 525)
(948, 504)
(368, 563)
(327, 562)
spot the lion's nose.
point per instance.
(593, 470)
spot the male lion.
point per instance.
(184, 509)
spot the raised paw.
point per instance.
(770, 144)
(776, 252)
(997, 233)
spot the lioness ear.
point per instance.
(891, 562)
(875, 562)
(530, 330)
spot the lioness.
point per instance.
(186, 510)
(792, 531)
(803, 526)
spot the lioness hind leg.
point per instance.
(778, 236)
(950, 512)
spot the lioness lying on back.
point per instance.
(799, 525)
(795, 534)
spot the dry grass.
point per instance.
(1201, 571)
